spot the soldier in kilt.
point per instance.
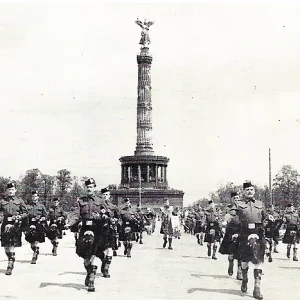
(229, 244)
(140, 225)
(14, 211)
(36, 225)
(57, 218)
(213, 231)
(278, 223)
(109, 232)
(129, 221)
(92, 219)
(292, 233)
(166, 224)
(251, 213)
(200, 220)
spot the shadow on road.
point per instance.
(274, 258)
(205, 257)
(75, 286)
(23, 261)
(46, 254)
(77, 273)
(213, 275)
(291, 268)
(2, 271)
(219, 291)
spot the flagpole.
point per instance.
(270, 178)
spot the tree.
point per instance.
(31, 181)
(47, 188)
(286, 186)
(64, 182)
(3, 182)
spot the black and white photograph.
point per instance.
(149, 149)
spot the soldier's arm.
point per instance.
(23, 211)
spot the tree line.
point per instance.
(285, 190)
(63, 185)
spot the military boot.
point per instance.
(208, 249)
(230, 267)
(89, 270)
(239, 275)
(244, 286)
(288, 251)
(107, 263)
(35, 255)
(201, 239)
(54, 250)
(91, 282)
(165, 243)
(257, 278)
(141, 239)
(115, 253)
(129, 247)
(275, 248)
(11, 261)
(214, 252)
(295, 254)
(170, 244)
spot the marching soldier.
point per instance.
(37, 223)
(251, 214)
(166, 224)
(292, 234)
(109, 233)
(129, 221)
(151, 217)
(57, 218)
(14, 211)
(92, 219)
(213, 232)
(139, 228)
(229, 244)
(200, 225)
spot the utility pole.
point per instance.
(270, 178)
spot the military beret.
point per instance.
(34, 192)
(210, 202)
(290, 205)
(55, 199)
(104, 190)
(126, 200)
(10, 185)
(90, 181)
(232, 194)
(247, 184)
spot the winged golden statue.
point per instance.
(145, 38)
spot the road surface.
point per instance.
(152, 273)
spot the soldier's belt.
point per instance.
(211, 224)
(88, 222)
(10, 219)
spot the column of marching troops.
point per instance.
(251, 232)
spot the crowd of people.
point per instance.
(250, 233)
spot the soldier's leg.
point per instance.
(295, 252)
(165, 240)
(170, 239)
(88, 267)
(201, 238)
(257, 272)
(141, 237)
(10, 253)
(125, 243)
(92, 273)
(129, 247)
(108, 253)
(275, 245)
(231, 264)
(35, 248)
(198, 238)
(271, 249)
(214, 250)
(55, 246)
(239, 275)
(208, 249)
(288, 250)
(245, 268)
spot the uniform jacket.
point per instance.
(36, 210)
(55, 212)
(13, 206)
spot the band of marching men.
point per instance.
(100, 229)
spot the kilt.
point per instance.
(216, 237)
(229, 246)
(36, 235)
(289, 238)
(199, 227)
(13, 237)
(166, 227)
(252, 253)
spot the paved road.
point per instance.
(152, 273)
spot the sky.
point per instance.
(225, 89)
